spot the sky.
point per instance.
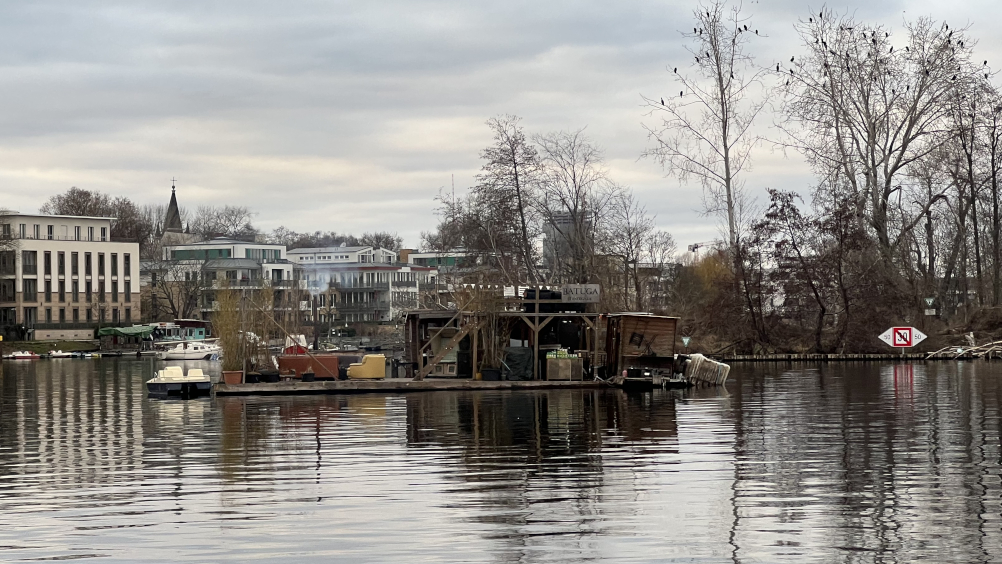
(353, 116)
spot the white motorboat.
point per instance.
(199, 350)
(22, 355)
(172, 381)
(61, 354)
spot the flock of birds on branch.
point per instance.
(872, 37)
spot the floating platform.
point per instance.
(395, 385)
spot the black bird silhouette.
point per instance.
(887, 34)
(892, 49)
(746, 27)
(791, 59)
(756, 32)
(662, 101)
(694, 30)
(954, 77)
(810, 20)
(676, 70)
(906, 47)
(821, 14)
(697, 60)
(680, 94)
(732, 75)
(787, 82)
(777, 67)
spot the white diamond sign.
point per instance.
(902, 337)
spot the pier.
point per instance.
(395, 385)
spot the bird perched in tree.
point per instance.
(697, 60)
(746, 27)
(675, 70)
(892, 49)
(662, 101)
(680, 94)
(811, 20)
(791, 59)
(756, 32)
(777, 67)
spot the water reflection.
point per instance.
(830, 463)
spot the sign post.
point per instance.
(902, 337)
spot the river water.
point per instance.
(789, 463)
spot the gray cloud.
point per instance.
(351, 115)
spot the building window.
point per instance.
(48, 290)
(36, 231)
(76, 315)
(90, 316)
(22, 231)
(114, 264)
(128, 315)
(88, 292)
(76, 233)
(128, 291)
(29, 262)
(104, 233)
(114, 315)
(87, 264)
(102, 315)
(29, 289)
(49, 231)
(100, 264)
(100, 292)
(62, 291)
(48, 315)
(76, 291)
(61, 264)
(114, 291)
(90, 235)
(62, 315)
(127, 264)
(74, 264)
(48, 263)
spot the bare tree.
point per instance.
(573, 199)
(860, 106)
(228, 221)
(505, 185)
(705, 132)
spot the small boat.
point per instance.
(22, 355)
(190, 351)
(61, 354)
(172, 381)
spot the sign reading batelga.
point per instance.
(580, 293)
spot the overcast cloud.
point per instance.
(351, 116)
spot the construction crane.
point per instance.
(696, 246)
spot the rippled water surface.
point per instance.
(832, 463)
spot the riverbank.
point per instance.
(42, 347)
(858, 357)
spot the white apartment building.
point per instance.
(361, 284)
(65, 277)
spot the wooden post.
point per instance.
(475, 344)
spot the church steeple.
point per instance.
(172, 223)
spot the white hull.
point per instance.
(198, 351)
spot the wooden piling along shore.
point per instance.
(859, 357)
(395, 385)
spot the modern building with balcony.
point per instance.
(184, 281)
(362, 284)
(63, 276)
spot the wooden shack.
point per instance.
(641, 344)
